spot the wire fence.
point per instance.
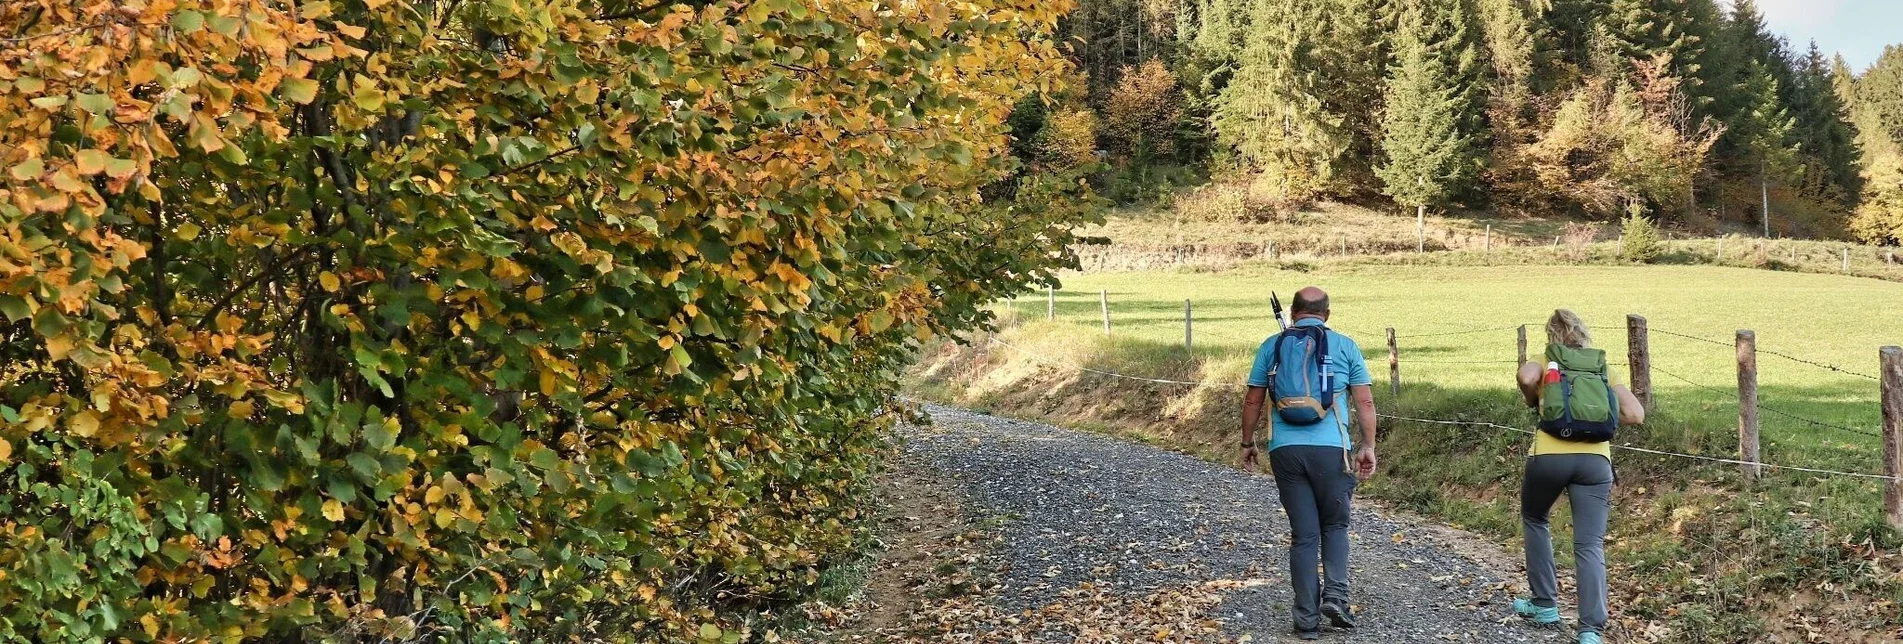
(1777, 411)
(1439, 421)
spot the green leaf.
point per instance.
(95, 103)
(188, 21)
(14, 307)
(300, 90)
(28, 170)
(364, 465)
(234, 154)
(185, 77)
(226, 25)
(381, 436)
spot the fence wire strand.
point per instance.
(1773, 410)
(1769, 352)
(1462, 332)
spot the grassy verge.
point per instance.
(1329, 235)
(1699, 555)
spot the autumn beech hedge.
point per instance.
(479, 320)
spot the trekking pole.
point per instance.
(1275, 305)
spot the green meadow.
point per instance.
(1457, 330)
(1696, 547)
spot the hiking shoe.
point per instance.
(1308, 635)
(1338, 615)
(1540, 614)
(1590, 638)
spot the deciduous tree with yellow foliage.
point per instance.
(477, 320)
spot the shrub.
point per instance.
(477, 322)
(1640, 240)
(1578, 238)
(1069, 140)
(1144, 113)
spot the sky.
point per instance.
(1858, 29)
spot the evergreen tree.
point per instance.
(1271, 112)
(1428, 142)
(1667, 29)
(1880, 95)
(1825, 141)
(1352, 52)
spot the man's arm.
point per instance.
(1364, 412)
(1365, 460)
(1251, 415)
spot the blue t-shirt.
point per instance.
(1350, 369)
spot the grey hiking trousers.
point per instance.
(1587, 481)
(1316, 489)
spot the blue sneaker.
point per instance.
(1590, 638)
(1542, 615)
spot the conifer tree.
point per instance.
(1271, 113)
(1826, 142)
(1429, 148)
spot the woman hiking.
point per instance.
(1579, 411)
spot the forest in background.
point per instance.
(1688, 111)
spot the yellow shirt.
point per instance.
(1544, 443)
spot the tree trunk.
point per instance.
(1764, 192)
(1420, 228)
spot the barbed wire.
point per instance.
(1461, 332)
(1645, 450)
(1695, 383)
(1769, 352)
(1818, 423)
(1822, 365)
(1773, 410)
(1630, 448)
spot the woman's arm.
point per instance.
(1630, 411)
(1529, 380)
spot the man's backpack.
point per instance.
(1576, 400)
(1303, 389)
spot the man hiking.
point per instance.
(1309, 373)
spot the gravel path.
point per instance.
(1084, 507)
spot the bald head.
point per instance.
(1309, 302)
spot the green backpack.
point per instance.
(1576, 400)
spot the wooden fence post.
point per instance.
(1103, 300)
(1556, 241)
(1639, 358)
(1344, 245)
(1189, 328)
(1490, 239)
(1394, 364)
(1748, 402)
(1522, 344)
(1892, 359)
(1721, 250)
(1050, 302)
(1846, 259)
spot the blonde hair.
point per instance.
(1566, 329)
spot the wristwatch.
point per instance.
(1248, 443)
